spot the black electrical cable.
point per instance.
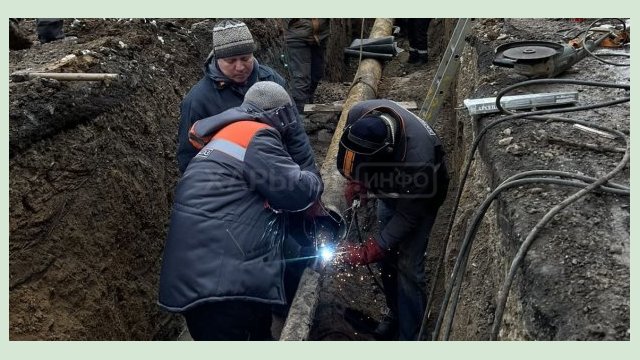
(611, 187)
(584, 38)
(476, 143)
(534, 115)
(516, 180)
(515, 264)
(448, 294)
(375, 279)
(360, 240)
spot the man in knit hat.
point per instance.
(399, 158)
(223, 263)
(229, 71)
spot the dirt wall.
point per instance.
(92, 172)
(574, 281)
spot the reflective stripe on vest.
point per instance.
(225, 146)
(233, 139)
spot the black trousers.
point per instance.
(417, 33)
(307, 67)
(230, 320)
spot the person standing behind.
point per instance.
(418, 40)
(223, 264)
(229, 71)
(400, 159)
(306, 45)
(416, 30)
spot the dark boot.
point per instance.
(417, 56)
(387, 329)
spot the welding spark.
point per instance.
(326, 253)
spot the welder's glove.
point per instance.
(367, 253)
(355, 190)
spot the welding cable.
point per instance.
(375, 279)
(508, 89)
(474, 147)
(515, 264)
(533, 115)
(470, 156)
(584, 38)
(357, 79)
(354, 220)
(361, 241)
(520, 179)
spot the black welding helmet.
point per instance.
(367, 141)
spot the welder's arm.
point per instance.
(299, 147)
(409, 214)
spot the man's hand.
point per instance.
(366, 254)
(355, 190)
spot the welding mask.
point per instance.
(367, 142)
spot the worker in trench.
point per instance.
(417, 36)
(229, 71)
(223, 264)
(306, 46)
(390, 152)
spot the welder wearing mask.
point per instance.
(223, 264)
(399, 158)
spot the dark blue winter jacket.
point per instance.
(416, 177)
(227, 223)
(215, 93)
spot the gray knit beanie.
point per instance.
(232, 38)
(267, 95)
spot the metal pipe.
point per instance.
(23, 76)
(364, 87)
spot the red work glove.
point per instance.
(355, 190)
(366, 254)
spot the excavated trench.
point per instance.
(92, 173)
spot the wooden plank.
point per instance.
(336, 106)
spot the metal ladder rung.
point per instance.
(448, 66)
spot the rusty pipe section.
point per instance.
(364, 87)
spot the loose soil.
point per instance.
(92, 174)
